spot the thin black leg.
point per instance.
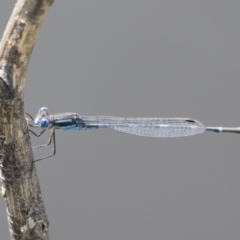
(49, 142)
(45, 144)
(29, 116)
(37, 134)
(29, 125)
(33, 126)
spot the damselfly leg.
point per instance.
(52, 138)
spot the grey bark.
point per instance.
(20, 187)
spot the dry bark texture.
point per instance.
(20, 187)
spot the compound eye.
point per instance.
(44, 123)
(43, 111)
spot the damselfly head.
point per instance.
(43, 111)
(42, 117)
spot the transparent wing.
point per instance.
(147, 127)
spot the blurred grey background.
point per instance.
(149, 59)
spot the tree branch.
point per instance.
(20, 187)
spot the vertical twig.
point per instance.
(20, 187)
